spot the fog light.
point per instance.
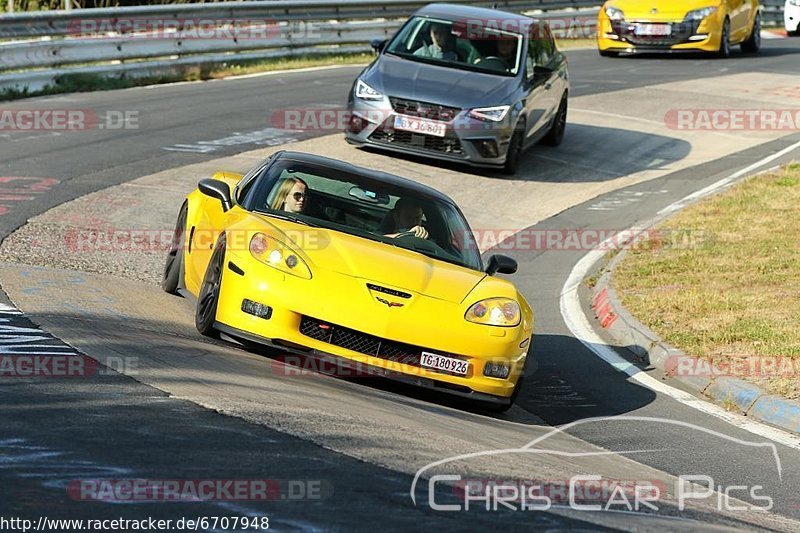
(256, 309)
(356, 124)
(496, 370)
(487, 148)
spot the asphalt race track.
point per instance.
(172, 405)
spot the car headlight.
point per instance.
(274, 253)
(492, 114)
(365, 92)
(700, 14)
(614, 13)
(494, 312)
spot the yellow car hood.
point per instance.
(383, 264)
(667, 10)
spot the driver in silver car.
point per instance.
(443, 44)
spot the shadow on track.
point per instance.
(175, 353)
(576, 160)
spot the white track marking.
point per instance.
(578, 323)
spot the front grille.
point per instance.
(385, 133)
(426, 110)
(681, 31)
(357, 341)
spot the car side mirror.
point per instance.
(217, 189)
(540, 72)
(378, 45)
(501, 264)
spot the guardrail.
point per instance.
(46, 47)
(772, 12)
(42, 48)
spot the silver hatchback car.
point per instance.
(465, 84)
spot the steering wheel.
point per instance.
(493, 62)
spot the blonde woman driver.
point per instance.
(291, 195)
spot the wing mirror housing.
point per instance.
(217, 189)
(378, 45)
(501, 264)
(540, 72)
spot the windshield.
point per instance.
(367, 208)
(462, 45)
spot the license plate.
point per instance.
(419, 125)
(653, 29)
(440, 362)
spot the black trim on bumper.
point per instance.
(417, 381)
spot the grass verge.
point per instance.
(732, 295)
(93, 82)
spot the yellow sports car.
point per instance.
(325, 259)
(678, 25)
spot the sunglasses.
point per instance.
(298, 196)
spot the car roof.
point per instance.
(449, 11)
(376, 175)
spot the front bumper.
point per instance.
(326, 360)
(292, 299)
(682, 36)
(466, 140)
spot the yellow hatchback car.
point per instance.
(630, 26)
(323, 259)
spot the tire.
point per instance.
(515, 148)
(753, 43)
(208, 296)
(725, 40)
(608, 53)
(556, 133)
(172, 278)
